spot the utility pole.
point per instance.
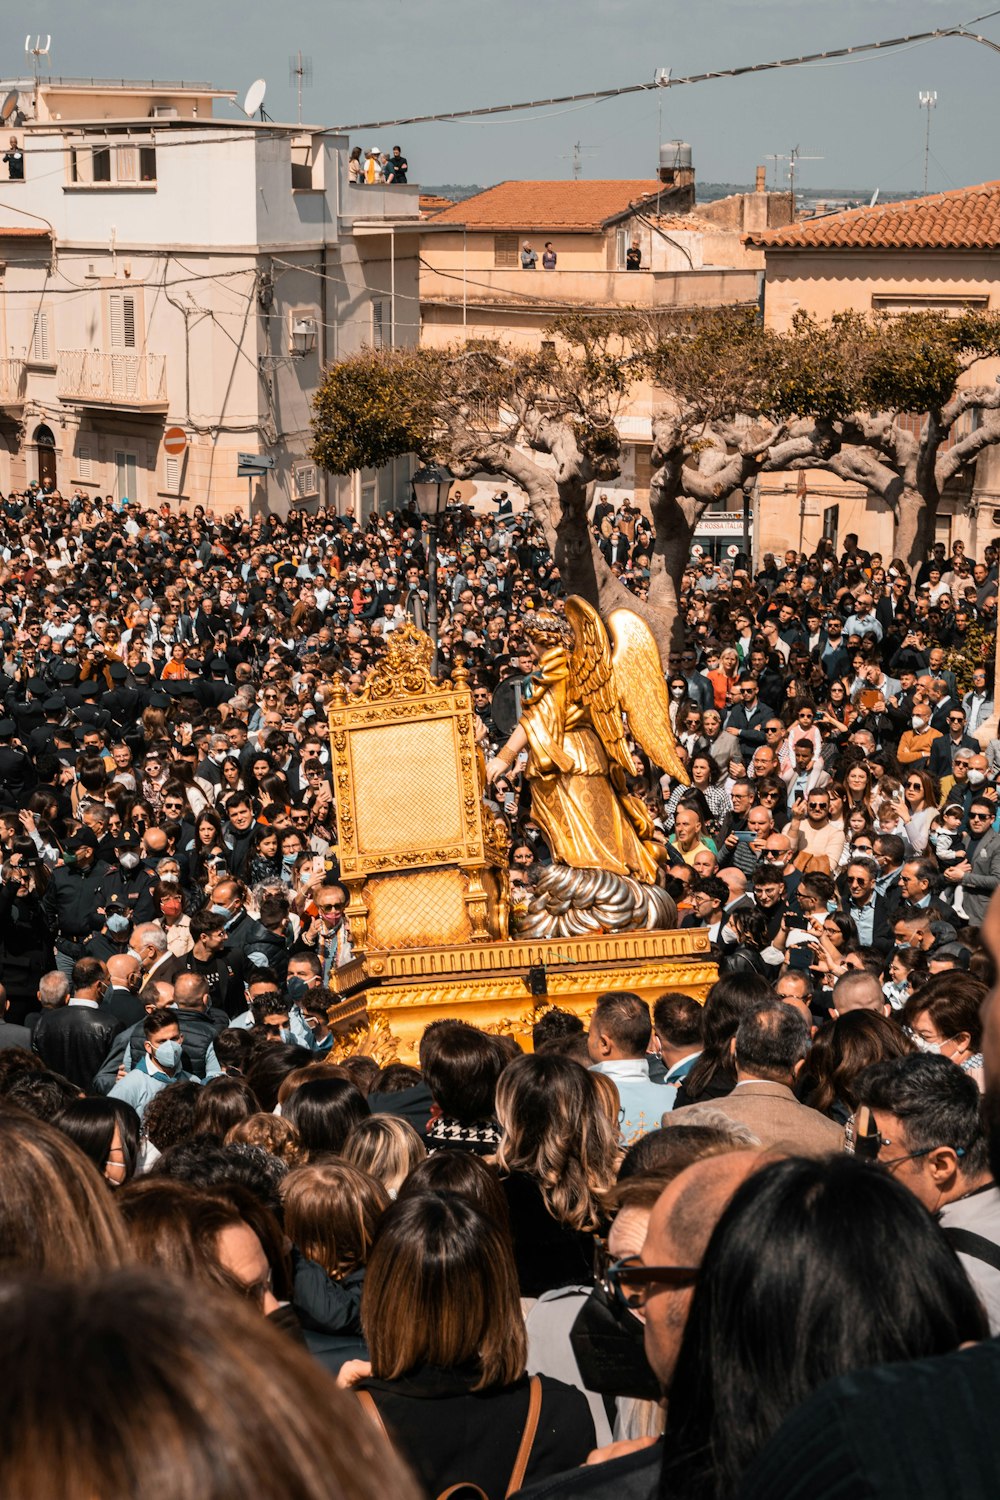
(928, 100)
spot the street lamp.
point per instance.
(431, 488)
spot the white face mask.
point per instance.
(976, 778)
(918, 723)
(729, 934)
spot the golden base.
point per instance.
(502, 985)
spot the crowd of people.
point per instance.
(690, 1249)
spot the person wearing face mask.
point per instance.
(114, 937)
(159, 1065)
(328, 935)
(123, 995)
(916, 742)
(131, 885)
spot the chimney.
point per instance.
(761, 184)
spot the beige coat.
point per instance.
(774, 1115)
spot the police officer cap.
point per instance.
(119, 672)
(54, 705)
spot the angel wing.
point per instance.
(594, 680)
(642, 692)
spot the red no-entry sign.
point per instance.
(175, 440)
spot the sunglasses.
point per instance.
(629, 1281)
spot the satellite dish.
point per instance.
(254, 97)
(8, 107)
(874, 198)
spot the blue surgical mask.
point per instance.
(168, 1055)
(118, 923)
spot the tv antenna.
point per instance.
(576, 156)
(928, 100)
(793, 158)
(36, 53)
(254, 99)
(300, 75)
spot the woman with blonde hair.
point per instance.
(557, 1153)
(387, 1147)
(273, 1134)
(443, 1323)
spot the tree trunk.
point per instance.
(915, 517)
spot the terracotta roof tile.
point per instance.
(23, 234)
(965, 219)
(433, 203)
(547, 206)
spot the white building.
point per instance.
(161, 268)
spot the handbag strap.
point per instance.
(367, 1403)
(976, 1246)
(527, 1436)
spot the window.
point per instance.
(147, 163)
(121, 319)
(126, 476)
(127, 164)
(84, 462)
(172, 475)
(378, 323)
(41, 338)
(915, 302)
(621, 248)
(505, 251)
(306, 480)
(102, 164)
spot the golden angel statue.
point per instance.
(573, 730)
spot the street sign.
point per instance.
(255, 463)
(174, 440)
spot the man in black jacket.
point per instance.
(73, 897)
(74, 1040)
(748, 718)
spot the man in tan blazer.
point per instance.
(771, 1045)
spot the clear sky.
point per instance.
(387, 57)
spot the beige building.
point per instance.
(168, 268)
(925, 254)
(472, 286)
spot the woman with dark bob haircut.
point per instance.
(128, 1386)
(729, 1000)
(106, 1130)
(443, 1323)
(324, 1111)
(802, 1281)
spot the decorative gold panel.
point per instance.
(405, 770)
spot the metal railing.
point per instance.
(12, 380)
(116, 379)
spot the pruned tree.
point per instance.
(877, 400)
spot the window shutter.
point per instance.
(128, 164)
(172, 477)
(84, 461)
(122, 319)
(41, 342)
(378, 331)
(305, 480)
(505, 251)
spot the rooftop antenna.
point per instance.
(36, 53)
(793, 158)
(928, 100)
(254, 99)
(576, 156)
(300, 73)
(661, 78)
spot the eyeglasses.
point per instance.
(857, 880)
(630, 1281)
(333, 906)
(914, 786)
(980, 817)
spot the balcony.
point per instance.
(131, 381)
(12, 382)
(548, 291)
(381, 203)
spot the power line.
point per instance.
(961, 30)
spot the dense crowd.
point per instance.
(675, 1242)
